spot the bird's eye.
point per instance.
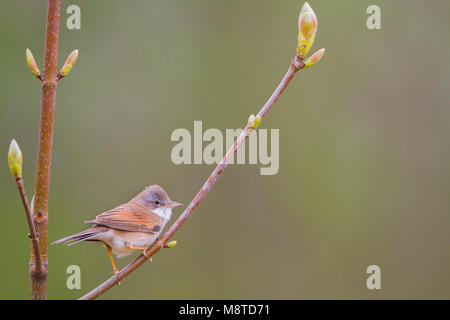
(156, 202)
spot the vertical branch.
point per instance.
(38, 279)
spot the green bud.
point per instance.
(32, 63)
(314, 58)
(70, 62)
(307, 25)
(15, 159)
(254, 121)
(171, 244)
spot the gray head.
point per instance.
(154, 197)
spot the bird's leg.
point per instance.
(144, 250)
(112, 261)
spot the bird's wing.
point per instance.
(130, 217)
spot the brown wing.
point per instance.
(130, 217)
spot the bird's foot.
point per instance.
(147, 255)
(116, 272)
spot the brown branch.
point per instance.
(40, 214)
(33, 235)
(297, 64)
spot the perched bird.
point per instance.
(132, 226)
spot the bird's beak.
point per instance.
(173, 204)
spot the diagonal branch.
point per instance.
(15, 160)
(33, 235)
(297, 64)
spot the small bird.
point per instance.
(132, 226)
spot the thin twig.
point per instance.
(297, 64)
(33, 235)
(49, 83)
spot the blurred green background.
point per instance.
(364, 146)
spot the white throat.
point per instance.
(164, 213)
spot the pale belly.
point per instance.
(119, 241)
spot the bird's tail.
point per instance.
(88, 234)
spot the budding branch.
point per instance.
(33, 235)
(296, 64)
(42, 184)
